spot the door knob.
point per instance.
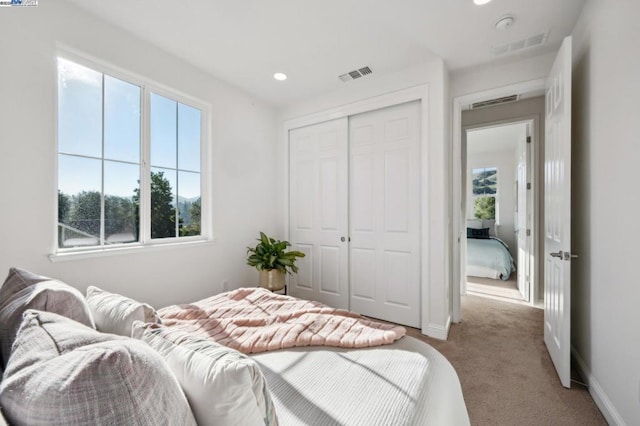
(564, 255)
(342, 239)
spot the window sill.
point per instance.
(125, 250)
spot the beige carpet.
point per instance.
(497, 288)
(506, 374)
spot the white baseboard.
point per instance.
(438, 331)
(597, 393)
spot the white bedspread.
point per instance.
(405, 383)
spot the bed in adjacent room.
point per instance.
(487, 255)
(489, 258)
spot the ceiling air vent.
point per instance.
(352, 75)
(522, 44)
(492, 102)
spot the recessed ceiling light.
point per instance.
(481, 2)
(280, 76)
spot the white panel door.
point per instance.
(522, 219)
(384, 213)
(557, 213)
(318, 203)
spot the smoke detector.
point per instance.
(504, 23)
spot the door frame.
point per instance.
(534, 129)
(416, 93)
(456, 170)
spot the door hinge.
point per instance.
(528, 185)
(528, 139)
(528, 232)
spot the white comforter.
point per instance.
(489, 258)
(405, 383)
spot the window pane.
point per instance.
(79, 201)
(485, 180)
(189, 203)
(79, 109)
(121, 202)
(188, 138)
(163, 132)
(163, 203)
(484, 208)
(121, 120)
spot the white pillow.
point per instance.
(64, 373)
(223, 386)
(116, 314)
(474, 223)
(491, 224)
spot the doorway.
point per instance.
(498, 208)
(530, 105)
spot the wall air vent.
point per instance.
(352, 75)
(497, 101)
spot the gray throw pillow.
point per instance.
(64, 373)
(24, 290)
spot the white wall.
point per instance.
(435, 304)
(505, 209)
(477, 79)
(605, 204)
(243, 152)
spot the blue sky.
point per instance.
(175, 135)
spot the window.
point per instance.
(119, 182)
(485, 189)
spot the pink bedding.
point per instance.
(257, 320)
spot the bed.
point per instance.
(326, 366)
(370, 373)
(404, 383)
(489, 257)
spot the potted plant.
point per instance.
(269, 257)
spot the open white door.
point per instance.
(557, 213)
(523, 214)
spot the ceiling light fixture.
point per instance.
(280, 76)
(481, 2)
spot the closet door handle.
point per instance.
(343, 239)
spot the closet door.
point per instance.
(385, 213)
(318, 160)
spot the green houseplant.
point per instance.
(272, 261)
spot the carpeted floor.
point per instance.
(497, 288)
(506, 373)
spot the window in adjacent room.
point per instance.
(485, 188)
(129, 162)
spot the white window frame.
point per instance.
(495, 196)
(147, 86)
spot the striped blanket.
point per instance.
(254, 320)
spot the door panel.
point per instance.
(523, 223)
(318, 211)
(557, 213)
(385, 213)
